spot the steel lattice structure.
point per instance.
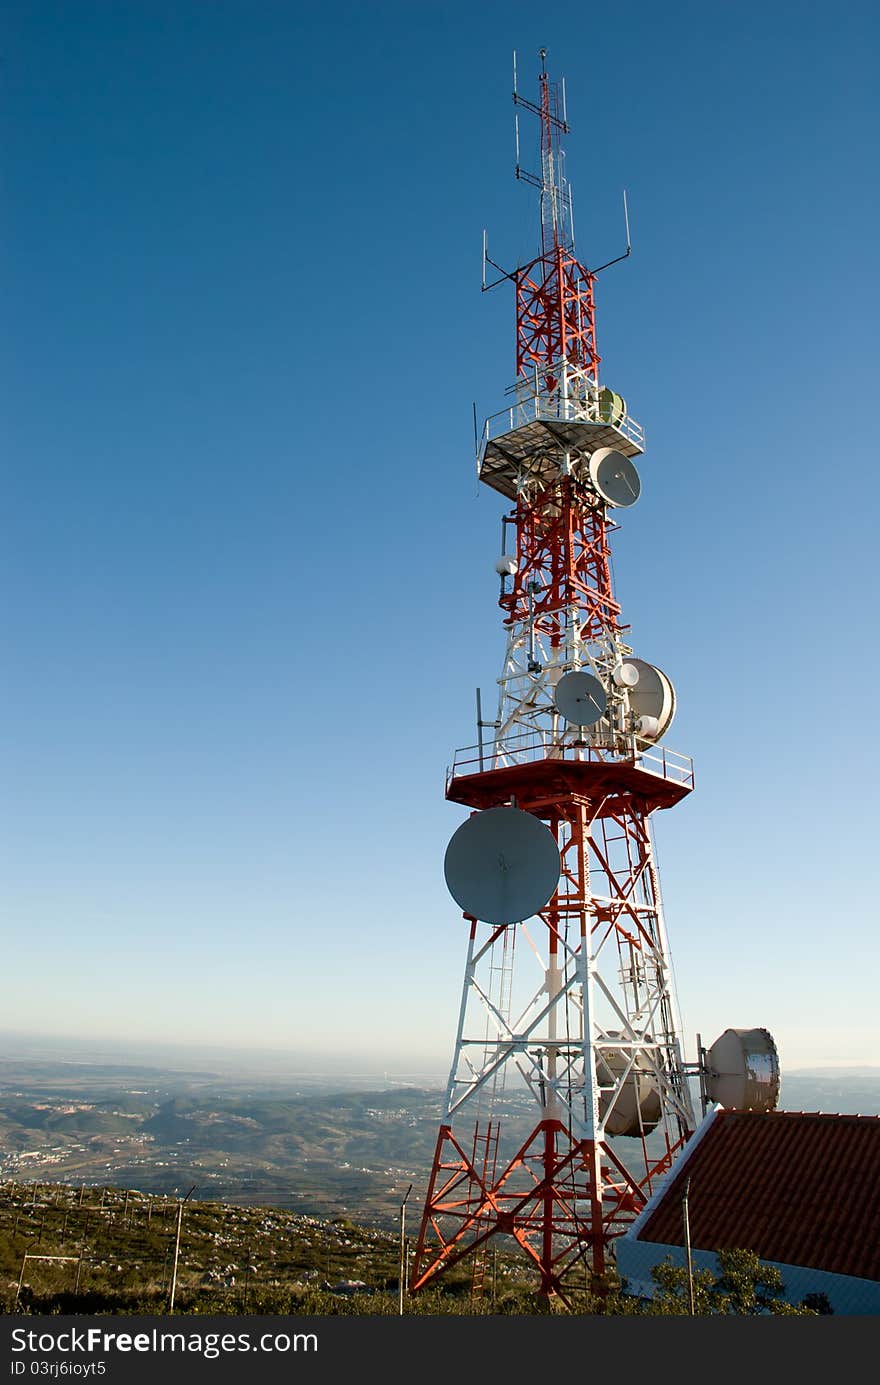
(587, 1017)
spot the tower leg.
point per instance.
(547, 1198)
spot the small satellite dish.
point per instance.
(614, 477)
(652, 701)
(742, 1070)
(502, 865)
(580, 698)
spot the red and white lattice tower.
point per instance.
(592, 1032)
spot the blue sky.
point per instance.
(248, 583)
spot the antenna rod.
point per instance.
(687, 1243)
(533, 666)
(701, 1065)
(402, 1276)
(628, 251)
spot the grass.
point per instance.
(232, 1260)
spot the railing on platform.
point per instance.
(531, 746)
(575, 396)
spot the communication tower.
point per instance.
(556, 866)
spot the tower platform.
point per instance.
(535, 771)
(526, 437)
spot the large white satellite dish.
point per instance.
(614, 477)
(652, 701)
(502, 865)
(580, 698)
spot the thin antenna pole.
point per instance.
(687, 1243)
(484, 259)
(531, 629)
(628, 251)
(701, 1065)
(403, 1267)
(514, 72)
(177, 1248)
(532, 664)
(564, 111)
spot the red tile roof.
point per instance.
(796, 1188)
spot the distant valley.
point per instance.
(266, 1141)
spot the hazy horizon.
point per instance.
(35, 1045)
(18, 1045)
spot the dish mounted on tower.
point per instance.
(502, 866)
(562, 800)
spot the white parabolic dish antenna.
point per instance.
(502, 865)
(638, 1107)
(580, 698)
(742, 1070)
(653, 696)
(614, 477)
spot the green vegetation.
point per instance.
(119, 1246)
(744, 1288)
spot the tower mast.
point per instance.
(592, 1040)
(555, 315)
